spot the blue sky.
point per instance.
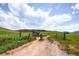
(47, 16)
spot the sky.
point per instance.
(45, 16)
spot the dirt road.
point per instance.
(37, 48)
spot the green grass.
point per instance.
(10, 39)
(12, 43)
(52, 34)
(70, 44)
(71, 40)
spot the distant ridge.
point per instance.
(77, 32)
(23, 30)
(4, 28)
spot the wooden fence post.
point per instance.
(19, 34)
(64, 36)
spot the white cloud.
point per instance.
(25, 9)
(75, 7)
(52, 21)
(9, 21)
(19, 12)
(73, 12)
(70, 27)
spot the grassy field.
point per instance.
(10, 39)
(69, 43)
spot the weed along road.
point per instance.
(37, 48)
